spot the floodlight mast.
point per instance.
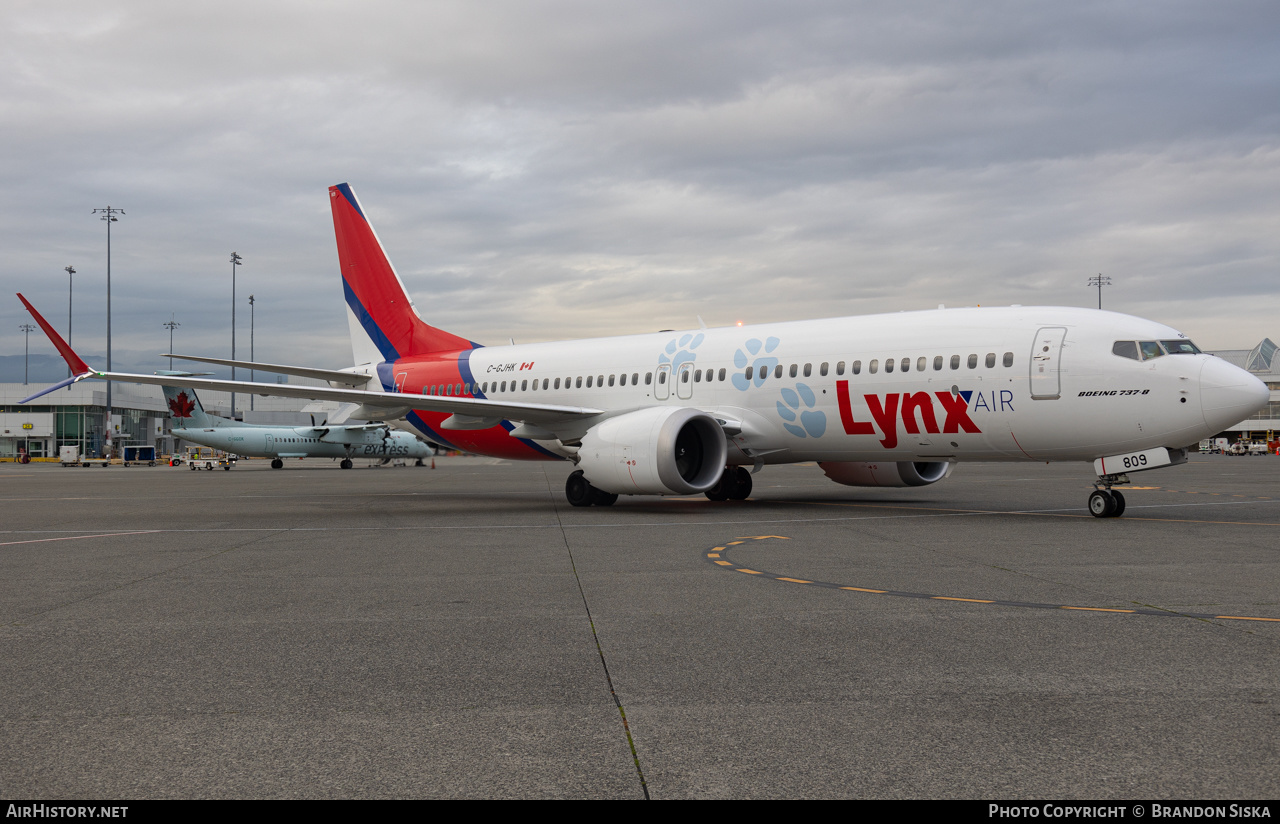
(70, 270)
(1100, 280)
(171, 325)
(27, 329)
(235, 261)
(109, 215)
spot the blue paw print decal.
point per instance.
(812, 423)
(680, 350)
(760, 366)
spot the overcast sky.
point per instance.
(545, 170)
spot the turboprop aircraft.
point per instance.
(876, 400)
(371, 440)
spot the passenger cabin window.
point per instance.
(722, 373)
(793, 370)
(635, 378)
(577, 384)
(991, 359)
(855, 367)
(777, 371)
(873, 366)
(839, 367)
(808, 369)
(1008, 359)
(822, 370)
(937, 364)
(888, 365)
(749, 372)
(955, 361)
(589, 377)
(973, 361)
(611, 380)
(920, 363)
(905, 366)
(648, 378)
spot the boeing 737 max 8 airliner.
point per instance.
(877, 400)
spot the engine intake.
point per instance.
(655, 451)
(872, 473)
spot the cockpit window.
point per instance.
(1180, 347)
(1126, 349)
(1150, 349)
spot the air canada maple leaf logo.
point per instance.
(181, 406)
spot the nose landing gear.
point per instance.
(1105, 502)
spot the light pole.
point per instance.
(251, 377)
(171, 325)
(235, 261)
(109, 215)
(28, 329)
(70, 270)
(1100, 280)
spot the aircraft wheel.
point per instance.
(346, 463)
(418, 462)
(720, 492)
(1101, 504)
(1119, 510)
(741, 489)
(579, 490)
(276, 463)
(601, 498)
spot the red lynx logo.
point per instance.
(917, 412)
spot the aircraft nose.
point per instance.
(1228, 394)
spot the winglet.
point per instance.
(73, 360)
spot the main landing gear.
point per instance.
(580, 492)
(346, 463)
(734, 485)
(276, 463)
(1105, 502)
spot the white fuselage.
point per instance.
(992, 384)
(305, 442)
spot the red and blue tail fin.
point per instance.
(384, 323)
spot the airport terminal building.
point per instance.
(76, 416)
(1260, 361)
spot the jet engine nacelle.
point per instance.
(655, 451)
(875, 473)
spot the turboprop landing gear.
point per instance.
(580, 492)
(734, 485)
(276, 463)
(1105, 502)
(346, 463)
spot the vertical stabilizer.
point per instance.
(188, 413)
(384, 324)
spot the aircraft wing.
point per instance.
(334, 375)
(472, 412)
